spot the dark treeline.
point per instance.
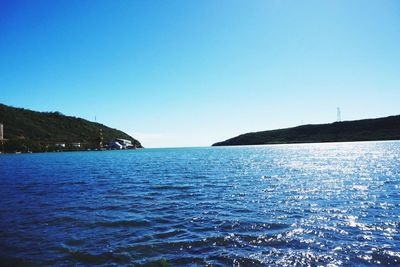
(31, 131)
(360, 130)
(26, 145)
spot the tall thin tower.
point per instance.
(1, 138)
(101, 138)
(339, 115)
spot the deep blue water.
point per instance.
(313, 204)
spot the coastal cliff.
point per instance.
(26, 130)
(387, 128)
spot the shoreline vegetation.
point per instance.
(27, 131)
(379, 129)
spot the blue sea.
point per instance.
(335, 204)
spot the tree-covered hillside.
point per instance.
(361, 130)
(40, 131)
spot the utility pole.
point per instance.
(2, 137)
(339, 115)
(101, 138)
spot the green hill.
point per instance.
(27, 130)
(360, 130)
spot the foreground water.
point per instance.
(314, 204)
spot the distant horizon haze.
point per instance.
(179, 73)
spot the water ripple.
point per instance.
(283, 205)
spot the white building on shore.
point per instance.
(60, 145)
(77, 145)
(119, 143)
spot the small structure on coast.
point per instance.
(60, 145)
(120, 143)
(77, 145)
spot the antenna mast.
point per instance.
(339, 115)
(1, 138)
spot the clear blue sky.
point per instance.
(190, 73)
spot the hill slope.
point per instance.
(361, 130)
(34, 128)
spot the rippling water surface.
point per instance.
(314, 204)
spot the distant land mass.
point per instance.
(43, 131)
(387, 128)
